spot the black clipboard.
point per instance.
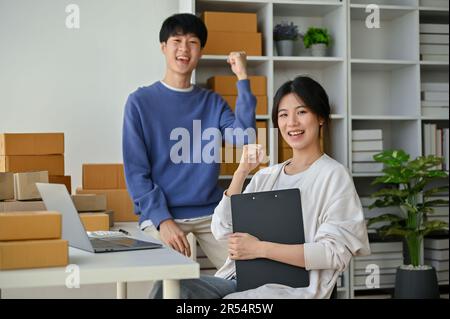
(274, 216)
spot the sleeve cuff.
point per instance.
(224, 210)
(315, 256)
(243, 86)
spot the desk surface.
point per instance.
(129, 266)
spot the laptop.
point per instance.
(274, 216)
(57, 198)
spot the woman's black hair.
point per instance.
(312, 94)
(183, 23)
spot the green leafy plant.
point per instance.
(408, 187)
(285, 31)
(315, 36)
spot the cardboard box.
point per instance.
(6, 186)
(226, 84)
(95, 221)
(31, 143)
(285, 154)
(30, 225)
(103, 176)
(16, 206)
(53, 164)
(227, 167)
(230, 21)
(222, 43)
(261, 103)
(60, 179)
(33, 254)
(89, 202)
(117, 200)
(25, 185)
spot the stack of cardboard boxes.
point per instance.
(226, 87)
(93, 213)
(26, 159)
(109, 180)
(31, 240)
(232, 31)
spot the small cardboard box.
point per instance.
(53, 164)
(33, 254)
(226, 84)
(6, 186)
(261, 103)
(17, 206)
(60, 179)
(25, 185)
(222, 43)
(103, 176)
(230, 21)
(30, 225)
(95, 221)
(285, 154)
(89, 202)
(31, 143)
(117, 200)
(110, 214)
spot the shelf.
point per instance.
(380, 64)
(304, 8)
(307, 62)
(230, 5)
(366, 174)
(385, 117)
(263, 117)
(387, 12)
(434, 118)
(221, 61)
(337, 116)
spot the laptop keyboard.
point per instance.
(117, 242)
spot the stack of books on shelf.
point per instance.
(434, 42)
(434, 3)
(386, 257)
(436, 255)
(435, 142)
(440, 212)
(365, 144)
(375, 212)
(435, 100)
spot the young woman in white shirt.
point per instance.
(332, 213)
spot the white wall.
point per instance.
(54, 79)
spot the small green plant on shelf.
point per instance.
(408, 186)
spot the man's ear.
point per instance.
(163, 46)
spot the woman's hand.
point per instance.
(243, 246)
(252, 156)
(238, 62)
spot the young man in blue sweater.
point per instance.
(176, 194)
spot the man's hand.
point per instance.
(243, 246)
(238, 62)
(173, 236)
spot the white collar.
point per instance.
(189, 89)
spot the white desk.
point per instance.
(118, 267)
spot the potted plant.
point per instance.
(284, 35)
(409, 187)
(318, 39)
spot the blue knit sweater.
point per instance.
(158, 121)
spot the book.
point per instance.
(435, 96)
(434, 28)
(435, 57)
(436, 254)
(434, 86)
(444, 104)
(384, 279)
(436, 243)
(363, 156)
(374, 167)
(434, 49)
(366, 135)
(437, 264)
(435, 111)
(434, 39)
(434, 3)
(367, 145)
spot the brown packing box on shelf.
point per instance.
(33, 254)
(230, 168)
(110, 214)
(95, 221)
(261, 103)
(230, 21)
(60, 179)
(284, 154)
(226, 84)
(6, 186)
(25, 185)
(30, 225)
(31, 143)
(222, 43)
(89, 202)
(117, 200)
(54, 164)
(18, 206)
(103, 176)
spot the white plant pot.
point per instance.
(285, 47)
(319, 49)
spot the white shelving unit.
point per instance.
(372, 76)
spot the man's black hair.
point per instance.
(183, 23)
